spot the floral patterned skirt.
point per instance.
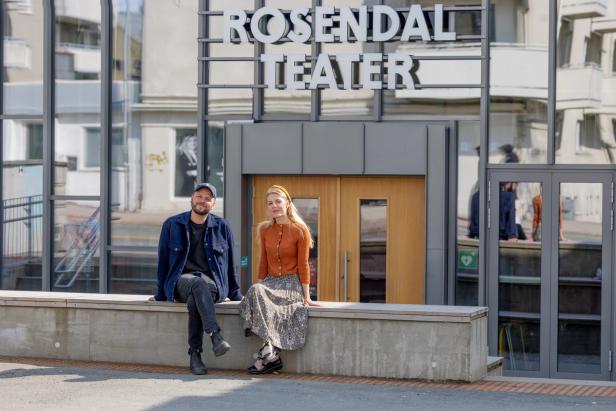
(274, 310)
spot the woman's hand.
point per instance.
(309, 303)
(307, 300)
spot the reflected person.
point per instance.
(538, 216)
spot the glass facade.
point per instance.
(170, 90)
(585, 85)
(433, 62)
(519, 82)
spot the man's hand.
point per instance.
(152, 298)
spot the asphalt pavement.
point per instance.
(27, 386)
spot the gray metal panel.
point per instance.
(336, 148)
(436, 214)
(233, 184)
(272, 148)
(395, 148)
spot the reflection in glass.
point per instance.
(154, 137)
(372, 251)
(133, 273)
(288, 100)
(309, 210)
(76, 246)
(519, 277)
(344, 103)
(580, 278)
(78, 87)
(23, 57)
(22, 205)
(215, 161)
(519, 82)
(434, 101)
(585, 131)
(467, 258)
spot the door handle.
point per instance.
(346, 275)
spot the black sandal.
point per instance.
(260, 368)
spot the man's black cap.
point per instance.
(210, 187)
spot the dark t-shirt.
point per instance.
(197, 260)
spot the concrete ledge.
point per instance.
(495, 366)
(354, 339)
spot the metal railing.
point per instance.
(22, 228)
(79, 254)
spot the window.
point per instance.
(468, 22)
(614, 58)
(565, 37)
(560, 119)
(92, 156)
(185, 161)
(579, 147)
(587, 134)
(35, 142)
(594, 45)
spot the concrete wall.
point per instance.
(372, 340)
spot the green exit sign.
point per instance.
(468, 259)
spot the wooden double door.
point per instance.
(369, 235)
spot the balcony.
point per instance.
(603, 25)
(17, 53)
(579, 87)
(609, 92)
(516, 71)
(583, 9)
(77, 9)
(519, 71)
(86, 59)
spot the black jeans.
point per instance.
(199, 292)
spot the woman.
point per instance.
(276, 307)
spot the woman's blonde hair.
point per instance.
(292, 212)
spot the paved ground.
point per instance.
(60, 385)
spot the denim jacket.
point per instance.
(173, 250)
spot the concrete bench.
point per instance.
(352, 339)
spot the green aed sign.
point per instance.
(468, 259)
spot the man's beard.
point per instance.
(199, 212)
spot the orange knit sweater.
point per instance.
(284, 250)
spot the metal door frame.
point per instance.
(606, 179)
(495, 177)
(551, 180)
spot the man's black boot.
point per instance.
(219, 345)
(196, 365)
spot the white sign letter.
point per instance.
(301, 24)
(349, 23)
(370, 69)
(392, 15)
(323, 20)
(323, 73)
(345, 62)
(415, 16)
(438, 26)
(403, 70)
(270, 61)
(234, 19)
(293, 69)
(280, 26)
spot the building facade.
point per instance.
(482, 173)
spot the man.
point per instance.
(196, 267)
